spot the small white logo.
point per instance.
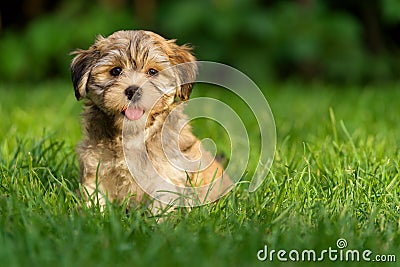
(341, 243)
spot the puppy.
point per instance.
(137, 144)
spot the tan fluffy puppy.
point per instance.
(130, 85)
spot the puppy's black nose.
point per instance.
(130, 91)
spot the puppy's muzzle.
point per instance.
(133, 92)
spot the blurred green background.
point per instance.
(335, 41)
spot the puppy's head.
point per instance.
(126, 73)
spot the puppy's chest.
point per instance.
(145, 156)
(134, 149)
(139, 150)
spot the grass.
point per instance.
(335, 175)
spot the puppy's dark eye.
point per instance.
(152, 72)
(116, 71)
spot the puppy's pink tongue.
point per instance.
(134, 113)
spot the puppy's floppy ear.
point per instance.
(80, 69)
(187, 72)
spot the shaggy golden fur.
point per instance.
(129, 84)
